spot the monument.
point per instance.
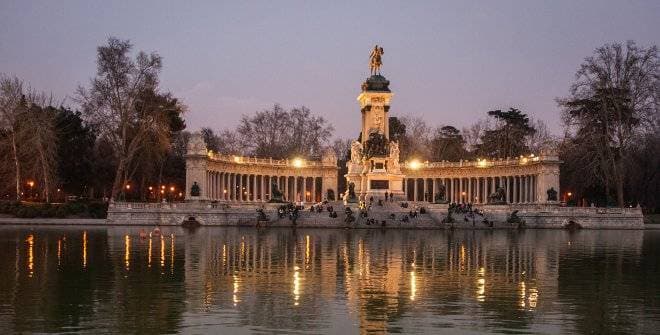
(374, 168)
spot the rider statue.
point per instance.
(376, 60)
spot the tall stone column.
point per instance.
(314, 189)
(415, 196)
(515, 190)
(461, 198)
(227, 185)
(304, 192)
(478, 190)
(529, 188)
(523, 182)
(469, 192)
(492, 181)
(243, 188)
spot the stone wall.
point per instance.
(535, 216)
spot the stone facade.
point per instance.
(249, 179)
(519, 180)
(535, 216)
(524, 180)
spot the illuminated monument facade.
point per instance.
(374, 169)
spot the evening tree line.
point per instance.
(126, 137)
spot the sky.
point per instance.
(448, 62)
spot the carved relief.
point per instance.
(356, 152)
(196, 145)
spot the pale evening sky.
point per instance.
(448, 62)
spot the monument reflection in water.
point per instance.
(328, 281)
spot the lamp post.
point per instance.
(31, 184)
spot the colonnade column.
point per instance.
(415, 189)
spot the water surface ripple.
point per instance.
(309, 281)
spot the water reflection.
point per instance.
(328, 281)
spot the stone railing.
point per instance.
(480, 163)
(266, 161)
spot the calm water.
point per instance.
(231, 280)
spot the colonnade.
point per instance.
(228, 186)
(518, 189)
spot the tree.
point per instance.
(508, 138)
(612, 104)
(75, 152)
(147, 168)
(11, 101)
(448, 144)
(397, 129)
(38, 120)
(112, 103)
(283, 134)
(415, 143)
(376, 145)
(342, 149)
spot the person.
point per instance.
(386, 194)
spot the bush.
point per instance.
(96, 210)
(61, 212)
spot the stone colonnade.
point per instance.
(236, 186)
(520, 189)
(525, 180)
(220, 177)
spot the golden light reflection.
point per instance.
(296, 285)
(413, 283)
(149, 252)
(461, 261)
(307, 252)
(528, 297)
(224, 255)
(30, 242)
(127, 251)
(162, 251)
(533, 297)
(84, 249)
(481, 285)
(59, 252)
(172, 253)
(236, 282)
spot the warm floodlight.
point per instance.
(414, 164)
(298, 162)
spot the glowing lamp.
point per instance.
(298, 162)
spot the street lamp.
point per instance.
(414, 164)
(31, 184)
(298, 162)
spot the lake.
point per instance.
(244, 280)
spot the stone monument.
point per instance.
(374, 167)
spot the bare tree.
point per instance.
(113, 96)
(612, 104)
(542, 139)
(342, 148)
(416, 141)
(38, 120)
(11, 102)
(473, 134)
(279, 133)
